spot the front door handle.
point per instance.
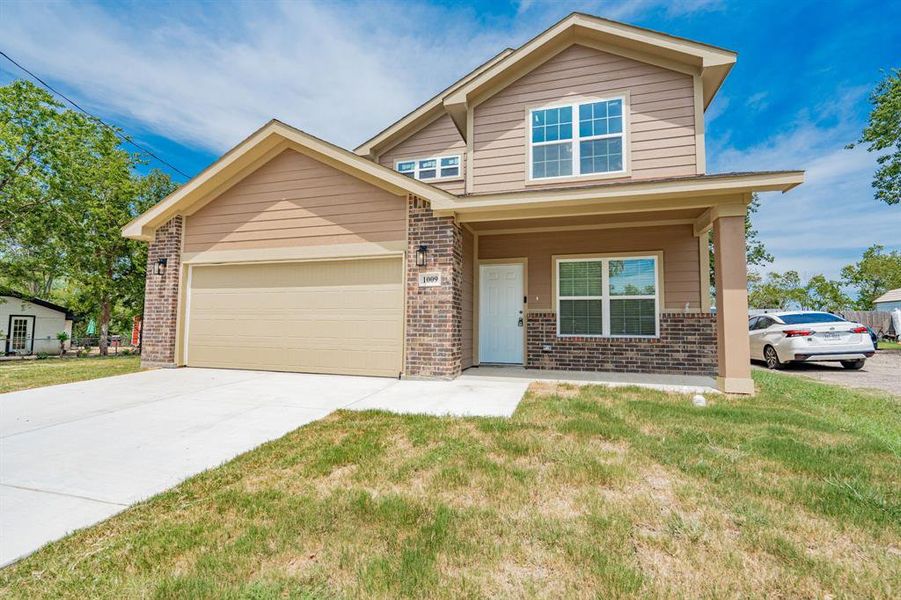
(520, 322)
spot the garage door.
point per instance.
(342, 317)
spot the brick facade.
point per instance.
(687, 346)
(434, 314)
(161, 297)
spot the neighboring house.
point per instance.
(888, 301)
(30, 326)
(551, 209)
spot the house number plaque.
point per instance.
(430, 279)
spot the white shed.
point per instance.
(888, 301)
(31, 326)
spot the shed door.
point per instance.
(342, 317)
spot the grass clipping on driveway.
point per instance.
(584, 493)
(18, 375)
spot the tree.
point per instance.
(876, 273)
(777, 290)
(66, 189)
(43, 152)
(109, 269)
(825, 294)
(883, 133)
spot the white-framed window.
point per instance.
(584, 138)
(608, 297)
(435, 167)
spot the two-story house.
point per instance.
(551, 209)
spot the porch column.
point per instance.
(730, 268)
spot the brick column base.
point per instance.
(161, 297)
(434, 314)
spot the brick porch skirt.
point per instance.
(686, 346)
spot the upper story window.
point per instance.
(425, 169)
(592, 145)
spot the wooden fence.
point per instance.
(878, 321)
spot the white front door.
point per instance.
(501, 323)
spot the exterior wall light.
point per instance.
(160, 267)
(420, 255)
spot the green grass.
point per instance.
(889, 345)
(583, 493)
(25, 374)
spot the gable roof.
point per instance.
(420, 116)
(710, 63)
(890, 296)
(262, 145)
(13, 294)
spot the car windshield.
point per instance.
(806, 318)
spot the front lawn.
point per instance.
(583, 493)
(889, 345)
(25, 374)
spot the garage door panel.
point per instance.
(326, 317)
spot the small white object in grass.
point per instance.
(699, 400)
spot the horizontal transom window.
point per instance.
(437, 167)
(608, 297)
(577, 139)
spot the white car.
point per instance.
(789, 337)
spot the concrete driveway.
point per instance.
(72, 455)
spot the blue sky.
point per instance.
(192, 79)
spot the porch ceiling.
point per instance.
(572, 223)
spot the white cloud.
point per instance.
(828, 221)
(208, 77)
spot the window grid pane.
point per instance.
(581, 317)
(552, 160)
(632, 277)
(552, 124)
(632, 317)
(601, 156)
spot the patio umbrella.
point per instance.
(92, 327)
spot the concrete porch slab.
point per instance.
(679, 384)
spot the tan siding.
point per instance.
(468, 283)
(438, 138)
(294, 200)
(662, 117)
(681, 274)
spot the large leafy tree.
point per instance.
(876, 273)
(66, 189)
(883, 134)
(44, 153)
(825, 294)
(788, 291)
(107, 268)
(776, 290)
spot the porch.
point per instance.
(624, 294)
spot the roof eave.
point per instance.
(710, 62)
(272, 138)
(782, 181)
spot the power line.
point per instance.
(125, 138)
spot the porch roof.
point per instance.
(701, 191)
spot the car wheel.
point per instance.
(854, 365)
(771, 358)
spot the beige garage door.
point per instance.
(341, 317)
